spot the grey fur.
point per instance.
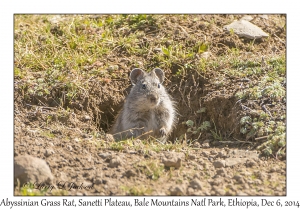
(148, 109)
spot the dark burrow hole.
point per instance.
(190, 94)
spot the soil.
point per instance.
(77, 150)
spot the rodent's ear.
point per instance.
(160, 74)
(135, 74)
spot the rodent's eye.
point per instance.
(158, 85)
(144, 86)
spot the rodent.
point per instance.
(148, 109)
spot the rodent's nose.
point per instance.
(152, 98)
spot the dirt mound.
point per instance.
(229, 93)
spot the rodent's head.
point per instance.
(148, 87)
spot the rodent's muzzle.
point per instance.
(153, 98)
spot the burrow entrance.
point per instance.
(195, 101)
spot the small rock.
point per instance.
(196, 176)
(192, 156)
(236, 177)
(205, 145)
(176, 32)
(113, 68)
(158, 49)
(130, 151)
(219, 164)
(129, 173)
(229, 192)
(172, 160)
(196, 145)
(98, 180)
(217, 182)
(124, 60)
(251, 163)
(230, 186)
(221, 154)
(220, 191)
(190, 191)
(174, 154)
(31, 169)
(87, 183)
(208, 192)
(199, 167)
(213, 152)
(246, 173)
(175, 162)
(196, 184)
(106, 182)
(239, 179)
(221, 172)
(105, 156)
(264, 17)
(275, 169)
(206, 141)
(168, 43)
(204, 164)
(211, 157)
(240, 193)
(48, 152)
(115, 162)
(261, 175)
(247, 18)
(234, 161)
(245, 29)
(246, 186)
(205, 153)
(252, 192)
(159, 193)
(177, 190)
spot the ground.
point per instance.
(71, 79)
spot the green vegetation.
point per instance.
(152, 169)
(136, 191)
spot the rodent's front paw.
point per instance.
(163, 132)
